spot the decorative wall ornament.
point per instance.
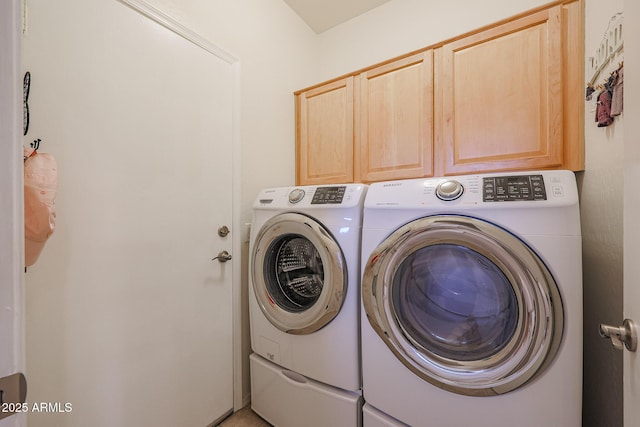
(609, 91)
(612, 43)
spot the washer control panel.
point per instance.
(513, 188)
(342, 196)
(328, 195)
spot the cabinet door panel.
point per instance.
(394, 116)
(502, 97)
(325, 134)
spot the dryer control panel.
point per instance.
(539, 189)
(513, 188)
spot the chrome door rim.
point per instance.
(539, 328)
(334, 291)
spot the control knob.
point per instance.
(296, 195)
(449, 190)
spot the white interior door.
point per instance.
(128, 318)
(631, 370)
(632, 208)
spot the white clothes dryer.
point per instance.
(472, 300)
(371, 417)
(304, 302)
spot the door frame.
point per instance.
(11, 206)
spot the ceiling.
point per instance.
(321, 15)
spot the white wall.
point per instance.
(401, 26)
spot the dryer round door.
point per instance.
(463, 304)
(299, 273)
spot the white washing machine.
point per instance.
(472, 300)
(304, 301)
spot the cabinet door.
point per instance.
(394, 120)
(325, 134)
(500, 94)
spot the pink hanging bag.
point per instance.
(40, 187)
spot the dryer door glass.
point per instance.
(455, 302)
(464, 304)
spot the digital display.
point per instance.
(328, 195)
(513, 188)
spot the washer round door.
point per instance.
(463, 304)
(299, 273)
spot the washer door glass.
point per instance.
(464, 304)
(298, 272)
(293, 273)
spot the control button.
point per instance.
(449, 190)
(558, 191)
(296, 195)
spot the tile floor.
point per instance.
(245, 417)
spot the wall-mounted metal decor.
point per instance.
(609, 92)
(611, 44)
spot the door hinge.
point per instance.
(13, 394)
(24, 17)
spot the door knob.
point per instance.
(626, 334)
(223, 256)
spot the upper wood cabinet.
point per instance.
(380, 130)
(394, 120)
(505, 97)
(324, 152)
(500, 97)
